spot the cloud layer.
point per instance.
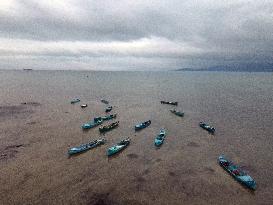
(135, 35)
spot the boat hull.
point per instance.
(108, 109)
(75, 101)
(118, 147)
(142, 125)
(109, 127)
(160, 138)
(236, 173)
(169, 103)
(91, 124)
(109, 117)
(207, 127)
(85, 147)
(180, 114)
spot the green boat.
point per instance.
(142, 125)
(178, 113)
(118, 147)
(97, 121)
(75, 100)
(107, 128)
(85, 147)
(237, 173)
(109, 117)
(160, 138)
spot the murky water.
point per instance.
(35, 137)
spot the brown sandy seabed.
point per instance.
(35, 137)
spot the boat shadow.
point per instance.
(85, 130)
(114, 155)
(251, 191)
(139, 130)
(69, 156)
(157, 147)
(77, 154)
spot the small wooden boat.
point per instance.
(142, 125)
(75, 100)
(169, 103)
(160, 138)
(97, 121)
(207, 127)
(104, 101)
(83, 105)
(108, 109)
(85, 147)
(107, 128)
(178, 113)
(237, 173)
(118, 147)
(109, 117)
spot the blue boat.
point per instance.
(85, 147)
(118, 147)
(207, 127)
(160, 138)
(75, 100)
(237, 173)
(142, 125)
(97, 121)
(109, 117)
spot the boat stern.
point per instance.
(158, 142)
(247, 181)
(86, 126)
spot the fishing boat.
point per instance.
(169, 103)
(97, 121)
(109, 117)
(210, 129)
(178, 113)
(83, 105)
(237, 173)
(85, 147)
(75, 100)
(160, 138)
(108, 109)
(118, 147)
(142, 125)
(109, 127)
(104, 101)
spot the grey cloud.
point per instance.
(220, 32)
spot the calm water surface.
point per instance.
(184, 170)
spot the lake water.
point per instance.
(35, 137)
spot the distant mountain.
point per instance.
(240, 68)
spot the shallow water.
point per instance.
(35, 137)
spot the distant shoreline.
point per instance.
(176, 70)
(225, 70)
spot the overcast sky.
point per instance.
(135, 35)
